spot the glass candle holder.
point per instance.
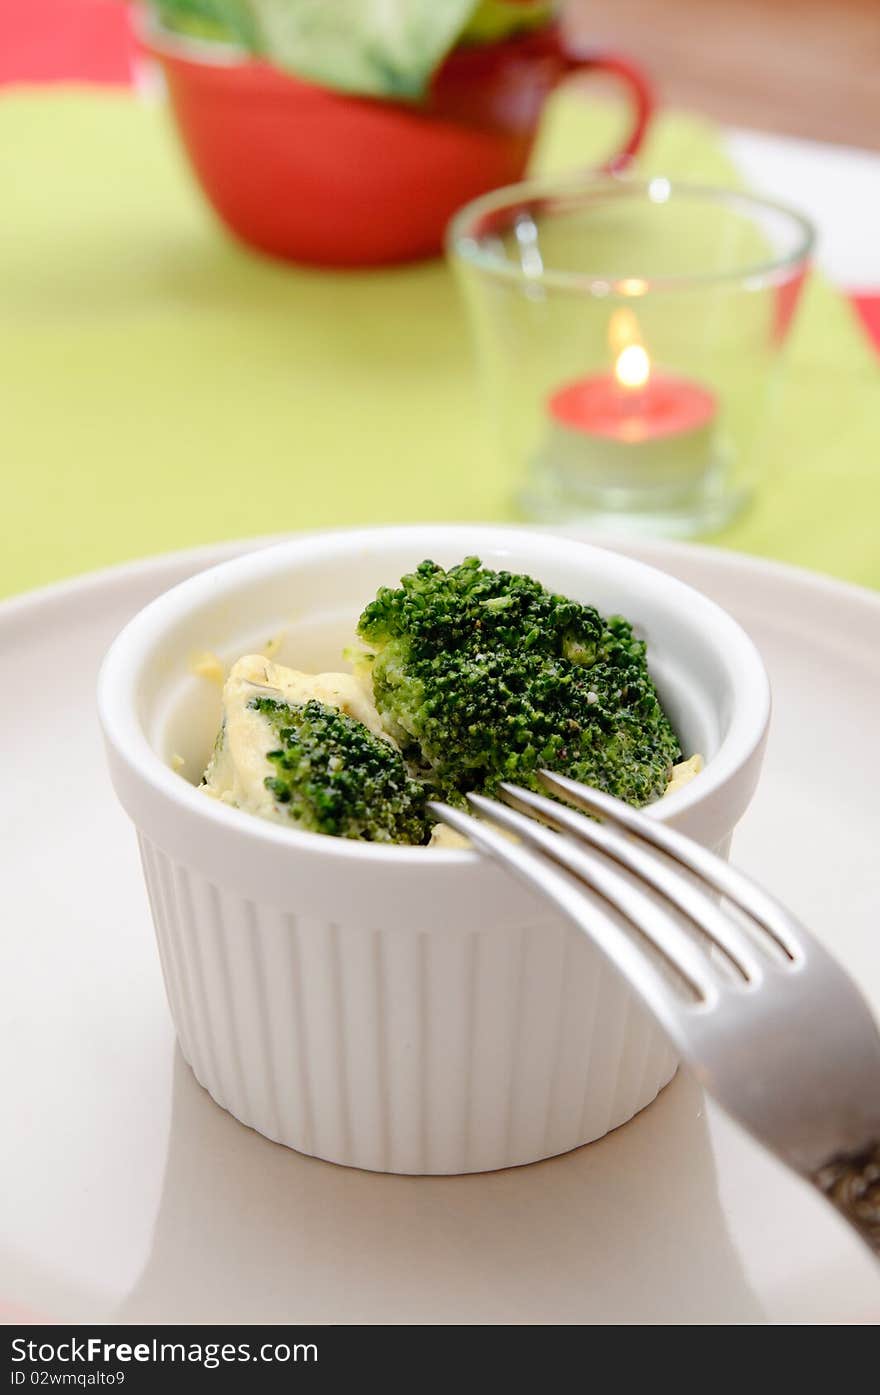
(630, 332)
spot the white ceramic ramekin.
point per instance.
(399, 1009)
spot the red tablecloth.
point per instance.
(65, 41)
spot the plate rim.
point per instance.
(653, 550)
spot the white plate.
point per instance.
(136, 1199)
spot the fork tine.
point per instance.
(659, 928)
(688, 899)
(587, 911)
(767, 913)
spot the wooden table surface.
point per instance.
(801, 67)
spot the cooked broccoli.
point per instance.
(333, 775)
(482, 676)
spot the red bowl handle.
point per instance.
(576, 59)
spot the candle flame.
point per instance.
(633, 366)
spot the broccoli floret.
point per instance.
(333, 775)
(483, 676)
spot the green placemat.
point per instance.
(162, 387)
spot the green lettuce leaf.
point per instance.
(382, 48)
(228, 21)
(386, 48)
(499, 19)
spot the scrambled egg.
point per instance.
(237, 771)
(207, 665)
(682, 774)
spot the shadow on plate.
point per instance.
(625, 1230)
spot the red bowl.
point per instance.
(313, 175)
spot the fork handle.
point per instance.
(852, 1185)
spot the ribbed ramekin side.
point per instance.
(400, 1050)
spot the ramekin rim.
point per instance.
(124, 732)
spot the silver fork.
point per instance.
(768, 1021)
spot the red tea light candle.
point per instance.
(635, 428)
